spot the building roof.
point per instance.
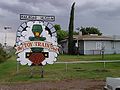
(91, 37)
(94, 37)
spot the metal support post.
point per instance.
(31, 71)
(42, 72)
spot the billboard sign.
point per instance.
(36, 43)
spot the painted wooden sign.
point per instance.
(37, 17)
(36, 43)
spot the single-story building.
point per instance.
(93, 44)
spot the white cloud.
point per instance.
(104, 14)
(9, 2)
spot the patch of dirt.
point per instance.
(57, 85)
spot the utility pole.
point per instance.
(5, 28)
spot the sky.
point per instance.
(103, 14)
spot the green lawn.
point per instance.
(58, 71)
(88, 57)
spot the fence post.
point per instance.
(31, 71)
(17, 68)
(66, 66)
(104, 64)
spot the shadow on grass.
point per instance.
(101, 70)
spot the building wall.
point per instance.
(64, 47)
(95, 47)
(91, 47)
(81, 47)
(117, 47)
(108, 47)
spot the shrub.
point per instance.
(3, 54)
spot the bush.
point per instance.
(3, 54)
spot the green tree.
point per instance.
(90, 30)
(57, 27)
(71, 27)
(3, 55)
(61, 34)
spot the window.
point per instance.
(98, 45)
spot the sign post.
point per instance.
(42, 72)
(36, 42)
